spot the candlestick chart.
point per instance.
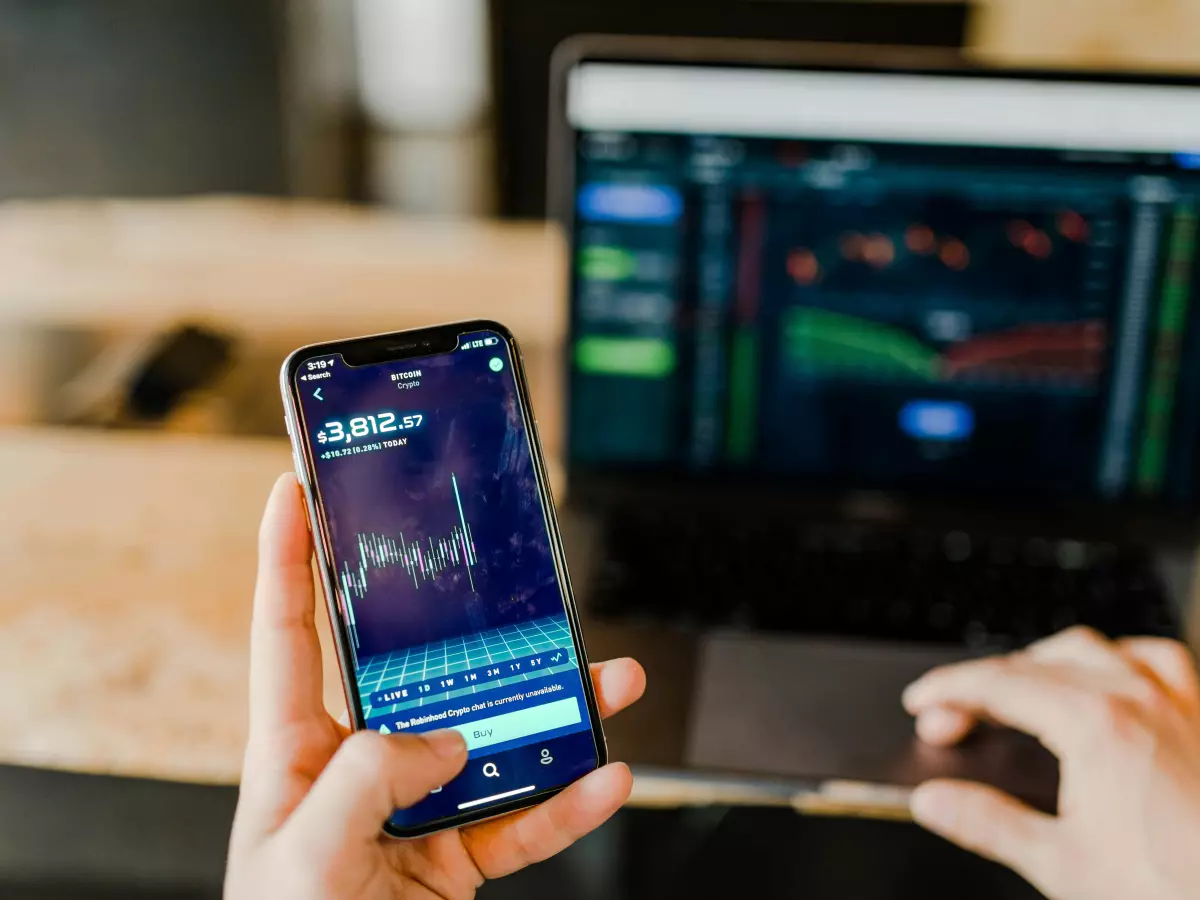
(423, 558)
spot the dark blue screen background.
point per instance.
(473, 430)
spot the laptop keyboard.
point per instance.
(856, 581)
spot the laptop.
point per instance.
(877, 360)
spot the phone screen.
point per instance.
(445, 569)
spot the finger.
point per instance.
(989, 822)
(1082, 646)
(1094, 661)
(285, 654)
(1169, 663)
(368, 778)
(1112, 667)
(1012, 690)
(942, 726)
(505, 845)
(619, 683)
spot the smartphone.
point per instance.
(441, 560)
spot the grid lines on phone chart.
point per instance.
(422, 560)
(412, 665)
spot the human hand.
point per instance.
(1123, 718)
(314, 797)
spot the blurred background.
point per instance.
(188, 190)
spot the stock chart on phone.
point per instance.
(421, 562)
(440, 553)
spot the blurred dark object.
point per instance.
(141, 97)
(144, 380)
(879, 583)
(775, 853)
(525, 33)
(88, 837)
(187, 360)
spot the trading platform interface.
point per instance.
(856, 302)
(445, 576)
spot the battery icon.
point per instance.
(488, 342)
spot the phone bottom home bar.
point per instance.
(441, 560)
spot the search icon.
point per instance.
(490, 770)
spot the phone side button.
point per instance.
(308, 505)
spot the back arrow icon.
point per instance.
(317, 394)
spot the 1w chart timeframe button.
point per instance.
(521, 723)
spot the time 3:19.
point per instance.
(364, 426)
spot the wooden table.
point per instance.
(126, 571)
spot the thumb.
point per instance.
(368, 778)
(989, 822)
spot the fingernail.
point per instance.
(931, 807)
(606, 788)
(934, 725)
(446, 743)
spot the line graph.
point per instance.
(1074, 348)
(423, 560)
(1064, 351)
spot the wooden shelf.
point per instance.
(281, 268)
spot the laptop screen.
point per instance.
(964, 285)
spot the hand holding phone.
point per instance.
(441, 561)
(313, 795)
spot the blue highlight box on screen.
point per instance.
(638, 204)
(937, 420)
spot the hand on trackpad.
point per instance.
(830, 711)
(1124, 720)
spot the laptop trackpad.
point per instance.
(830, 710)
